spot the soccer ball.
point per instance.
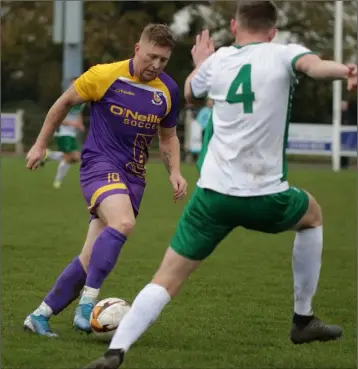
(106, 316)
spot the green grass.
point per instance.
(234, 312)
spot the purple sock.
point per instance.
(67, 287)
(104, 256)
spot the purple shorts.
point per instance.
(100, 179)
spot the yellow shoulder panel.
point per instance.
(93, 84)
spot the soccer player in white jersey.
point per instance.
(66, 139)
(243, 173)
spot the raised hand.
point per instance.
(203, 48)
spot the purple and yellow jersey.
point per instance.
(125, 114)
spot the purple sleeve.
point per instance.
(170, 120)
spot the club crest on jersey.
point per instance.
(157, 98)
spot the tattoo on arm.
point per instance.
(167, 159)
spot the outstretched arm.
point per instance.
(86, 88)
(54, 118)
(57, 114)
(314, 67)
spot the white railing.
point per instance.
(317, 139)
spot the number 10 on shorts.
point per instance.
(113, 177)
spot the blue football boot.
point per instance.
(39, 324)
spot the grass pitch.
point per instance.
(234, 312)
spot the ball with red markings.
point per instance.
(106, 316)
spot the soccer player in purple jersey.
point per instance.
(131, 101)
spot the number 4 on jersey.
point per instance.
(246, 96)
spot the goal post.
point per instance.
(337, 87)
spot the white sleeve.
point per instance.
(201, 83)
(292, 52)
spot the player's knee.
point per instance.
(76, 157)
(313, 218)
(316, 218)
(124, 225)
(73, 159)
(84, 258)
(174, 270)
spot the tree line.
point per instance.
(31, 63)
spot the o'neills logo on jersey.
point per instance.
(135, 119)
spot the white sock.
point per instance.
(62, 170)
(89, 294)
(306, 265)
(44, 310)
(55, 155)
(145, 310)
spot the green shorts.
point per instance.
(210, 216)
(67, 144)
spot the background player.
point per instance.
(67, 143)
(131, 101)
(243, 176)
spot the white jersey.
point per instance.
(73, 114)
(66, 131)
(252, 87)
